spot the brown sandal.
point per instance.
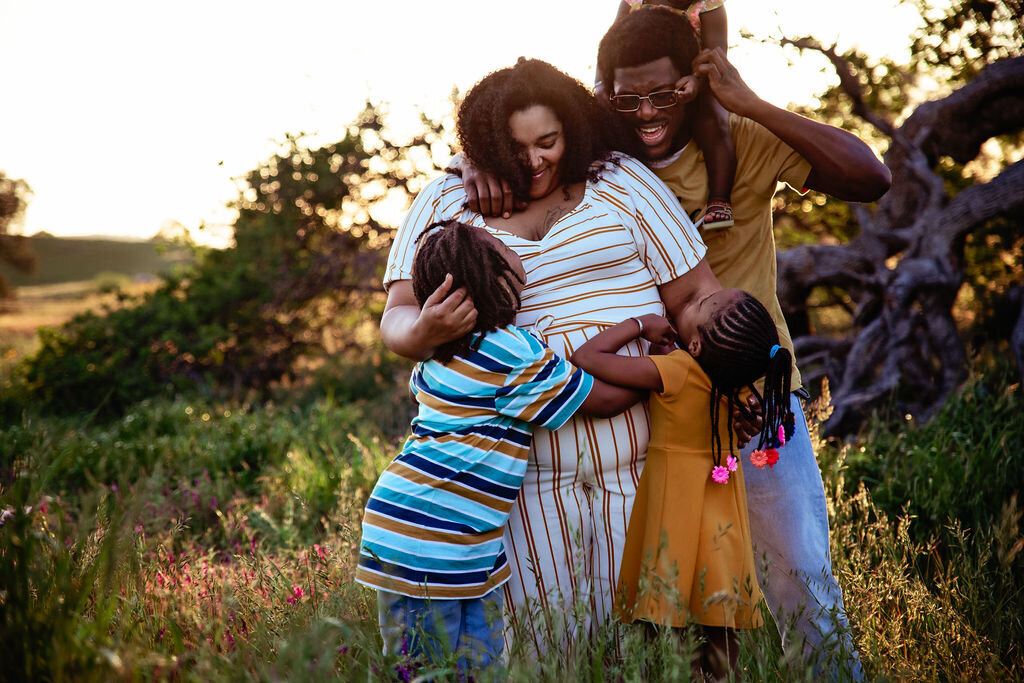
(718, 214)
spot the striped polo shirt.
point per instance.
(433, 524)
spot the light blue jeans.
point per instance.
(789, 526)
(432, 629)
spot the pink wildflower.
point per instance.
(759, 459)
(782, 435)
(773, 457)
(720, 474)
(732, 463)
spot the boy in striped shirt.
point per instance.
(433, 526)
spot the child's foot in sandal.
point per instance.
(718, 214)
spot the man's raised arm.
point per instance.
(842, 165)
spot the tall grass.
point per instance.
(191, 540)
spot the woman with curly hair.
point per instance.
(601, 240)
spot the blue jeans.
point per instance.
(433, 629)
(789, 526)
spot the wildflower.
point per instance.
(772, 457)
(732, 463)
(720, 474)
(7, 513)
(759, 459)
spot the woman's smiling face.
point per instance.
(541, 138)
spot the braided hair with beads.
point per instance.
(469, 255)
(741, 345)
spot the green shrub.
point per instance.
(306, 256)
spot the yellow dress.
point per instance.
(688, 556)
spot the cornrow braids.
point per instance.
(474, 263)
(740, 345)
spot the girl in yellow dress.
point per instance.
(688, 557)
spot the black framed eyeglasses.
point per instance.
(663, 99)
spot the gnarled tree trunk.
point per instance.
(904, 342)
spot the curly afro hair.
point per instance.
(483, 123)
(642, 37)
(474, 263)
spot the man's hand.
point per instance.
(728, 87)
(657, 329)
(446, 317)
(486, 194)
(747, 420)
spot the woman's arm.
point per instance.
(413, 332)
(598, 356)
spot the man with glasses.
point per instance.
(646, 59)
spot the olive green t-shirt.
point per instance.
(743, 255)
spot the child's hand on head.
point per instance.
(687, 87)
(661, 349)
(657, 329)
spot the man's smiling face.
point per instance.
(656, 128)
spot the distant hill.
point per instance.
(74, 259)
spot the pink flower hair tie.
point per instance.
(720, 474)
(782, 435)
(759, 459)
(732, 463)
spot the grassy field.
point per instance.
(192, 540)
(51, 305)
(63, 260)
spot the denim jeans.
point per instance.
(789, 526)
(432, 629)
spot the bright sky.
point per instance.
(124, 115)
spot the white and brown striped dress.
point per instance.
(598, 265)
